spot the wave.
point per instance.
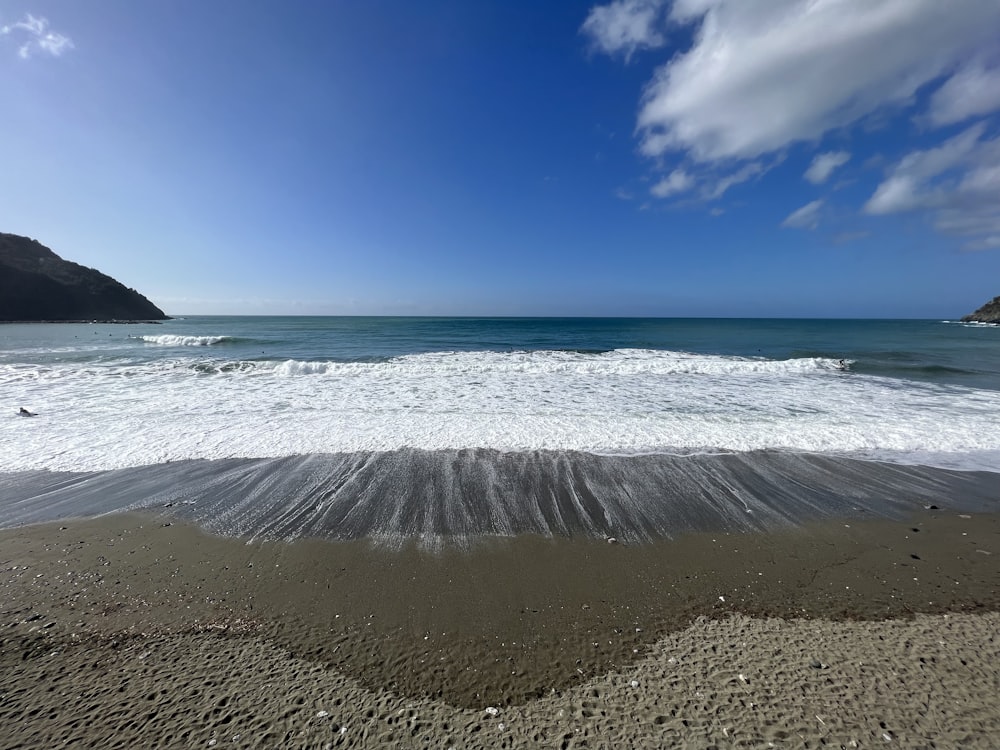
(915, 371)
(555, 362)
(486, 364)
(971, 323)
(628, 401)
(174, 340)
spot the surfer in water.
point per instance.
(25, 413)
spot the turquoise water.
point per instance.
(921, 349)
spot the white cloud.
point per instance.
(973, 90)
(676, 182)
(36, 36)
(34, 26)
(806, 217)
(625, 26)
(908, 185)
(824, 164)
(763, 74)
(722, 184)
(958, 182)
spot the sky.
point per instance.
(735, 158)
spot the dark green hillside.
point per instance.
(988, 313)
(38, 285)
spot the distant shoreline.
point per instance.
(112, 322)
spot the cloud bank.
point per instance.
(958, 183)
(761, 76)
(764, 74)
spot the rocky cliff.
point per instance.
(38, 285)
(988, 313)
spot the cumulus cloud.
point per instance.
(625, 26)
(958, 182)
(676, 182)
(32, 34)
(824, 164)
(760, 76)
(806, 217)
(909, 184)
(763, 74)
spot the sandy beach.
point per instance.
(140, 630)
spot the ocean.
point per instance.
(582, 412)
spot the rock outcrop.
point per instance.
(38, 285)
(988, 313)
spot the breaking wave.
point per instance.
(172, 340)
(627, 401)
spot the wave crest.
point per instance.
(616, 362)
(174, 340)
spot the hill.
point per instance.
(988, 313)
(38, 285)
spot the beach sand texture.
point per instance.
(139, 630)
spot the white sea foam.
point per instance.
(118, 415)
(972, 323)
(622, 362)
(173, 340)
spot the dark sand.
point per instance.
(136, 630)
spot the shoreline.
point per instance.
(406, 646)
(112, 321)
(444, 496)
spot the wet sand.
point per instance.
(140, 630)
(451, 497)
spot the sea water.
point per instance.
(446, 430)
(119, 396)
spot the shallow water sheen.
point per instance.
(455, 496)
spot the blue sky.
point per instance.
(698, 157)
